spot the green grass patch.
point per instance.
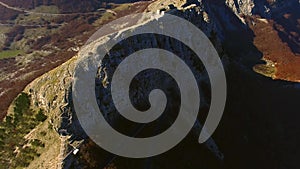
(108, 16)
(122, 7)
(4, 29)
(47, 9)
(38, 18)
(10, 53)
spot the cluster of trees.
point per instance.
(15, 150)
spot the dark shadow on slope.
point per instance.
(238, 37)
(287, 23)
(258, 129)
(287, 19)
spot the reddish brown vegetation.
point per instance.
(63, 5)
(268, 41)
(66, 6)
(7, 14)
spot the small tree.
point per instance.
(22, 104)
(41, 116)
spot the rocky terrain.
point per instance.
(256, 40)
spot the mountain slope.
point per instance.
(259, 127)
